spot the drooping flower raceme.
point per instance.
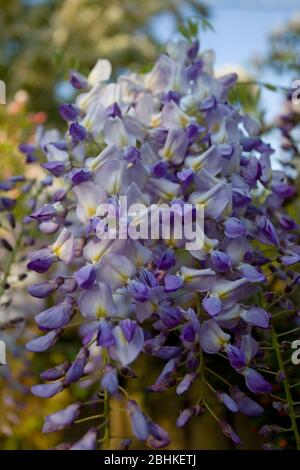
(168, 136)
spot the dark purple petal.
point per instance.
(229, 432)
(85, 276)
(221, 261)
(80, 175)
(166, 260)
(69, 112)
(44, 289)
(234, 228)
(256, 316)
(212, 305)
(138, 420)
(61, 419)
(256, 382)
(109, 380)
(113, 110)
(132, 154)
(56, 372)
(227, 401)
(77, 131)
(184, 417)
(56, 168)
(251, 273)
(172, 282)
(87, 442)
(42, 343)
(236, 357)
(47, 390)
(128, 327)
(140, 291)
(76, 370)
(105, 337)
(55, 317)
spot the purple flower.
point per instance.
(105, 337)
(228, 401)
(212, 337)
(42, 343)
(184, 417)
(251, 273)
(256, 316)
(45, 213)
(77, 80)
(69, 112)
(221, 261)
(193, 131)
(113, 110)
(87, 442)
(56, 168)
(246, 405)
(256, 382)
(267, 232)
(77, 132)
(194, 70)
(80, 175)
(212, 305)
(109, 380)
(76, 369)
(55, 317)
(234, 228)
(138, 420)
(129, 341)
(47, 390)
(158, 437)
(166, 260)
(40, 265)
(44, 289)
(160, 169)
(170, 316)
(193, 50)
(185, 383)
(132, 154)
(172, 282)
(61, 419)
(229, 432)
(85, 276)
(237, 357)
(56, 372)
(140, 291)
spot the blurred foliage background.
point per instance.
(40, 41)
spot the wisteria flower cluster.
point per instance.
(166, 136)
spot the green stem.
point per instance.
(289, 332)
(106, 409)
(106, 441)
(287, 390)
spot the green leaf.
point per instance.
(270, 87)
(184, 31)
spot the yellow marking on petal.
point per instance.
(154, 121)
(101, 312)
(91, 211)
(168, 154)
(57, 250)
(183, 120)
